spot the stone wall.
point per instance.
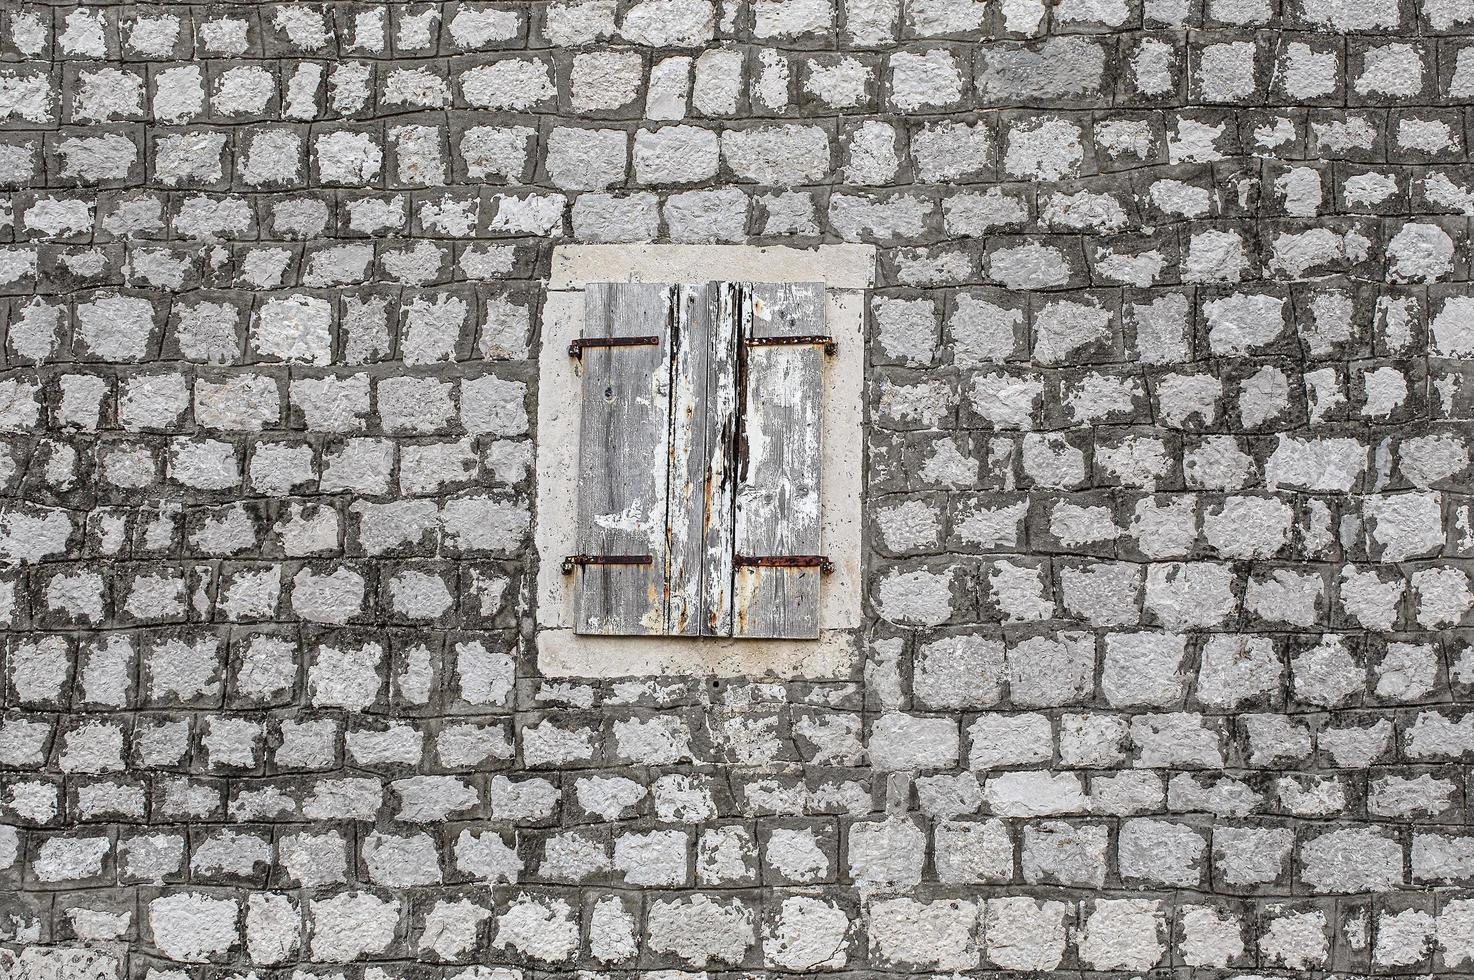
(1168, 595)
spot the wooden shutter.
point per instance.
(778, 462)
(704, 411)
(623, 443)
(697, 449)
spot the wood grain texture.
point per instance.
(720, 465)
(776, 503)
(696, 309)
(623, 452)
(704, 403)
(698, 449)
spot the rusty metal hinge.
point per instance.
(829, 343)
(575, 349)
(579, 561)
(821, 562)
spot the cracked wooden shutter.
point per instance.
(704, 407)
(623, 445)
(776, 503)
(700, 452)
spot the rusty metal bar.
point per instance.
(821, 562)
(573, 561)
(575, 349)
(829, 343)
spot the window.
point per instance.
(843, 273)
(699, 460)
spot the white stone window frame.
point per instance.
(848, 272)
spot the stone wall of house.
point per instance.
(1168, 645)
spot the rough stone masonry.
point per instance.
(1169, 645)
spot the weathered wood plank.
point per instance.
(776, 505)
(623, 460)
(696, 311)
(704, 405)
(719, 491)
